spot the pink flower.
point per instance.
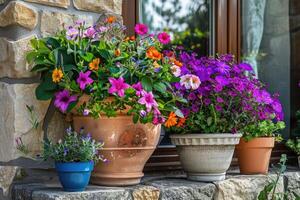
(90, 32)
(138, 88)
(148, 100)
(175, 70)
(63, 99)
(164, 38)
(83, 80)
(141, 29)
(118, 86)
(190, 81)
(72, 33)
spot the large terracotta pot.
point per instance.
(205, 157)
(127, 146)
(254, 155)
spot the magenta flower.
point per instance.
(118, 86)
(138, 88)
(72, 33)
(164, 38)
(63, 99)
(148, 100)
(84, 79)
(141, 29)
(90, 32)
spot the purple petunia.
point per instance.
(72, 33)
(63, 100)
(84, 79)
(118, 86)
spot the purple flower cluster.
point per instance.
(228, 87)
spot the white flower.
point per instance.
(175, 70)
(190, 81)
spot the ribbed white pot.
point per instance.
(205, 157)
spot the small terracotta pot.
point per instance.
(254, 155)
(127, 146)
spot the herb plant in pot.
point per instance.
(74, 158)
(118, 88)
(216, 90)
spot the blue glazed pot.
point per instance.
(74, 176)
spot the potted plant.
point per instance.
(118, 88)
(294, 145)
(74, 158)
(216, 89)
(259, 134)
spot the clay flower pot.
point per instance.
(205, 157)
(254, 155)
(127, 146)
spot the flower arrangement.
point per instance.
(223, 97)
(101, 62)
(75, 147)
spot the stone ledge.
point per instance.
(236, 187)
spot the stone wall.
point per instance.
(19, 22)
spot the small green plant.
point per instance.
(75, 147)
(294, 145)
(266, 128)
(33, 117)
(21, 147)
(269, 191)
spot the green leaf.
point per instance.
(129, 91)
(178, 112)
(160, 87)
(209, 121)
(42, 93)
(72, 105)
(39, 68)
(34, 43)
(135, 118)
(147, 83)
(105, 54)
(264, 194)
(53, 42)
(68, 67)
(102, 45)
(87, 56)
(31, 55)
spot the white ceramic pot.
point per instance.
(205, 157)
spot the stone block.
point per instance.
(7, 174)
(114, 6)
(244, 187)
(57, 3)
(19, 13)
(52, 22)
(292, 184)
(183, 189)
(13, 58)
(15, 119)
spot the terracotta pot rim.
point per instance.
(257, 143)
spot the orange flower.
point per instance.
(153, 53)
(111, 19)
(57, 75)
(172, 120)
(94, 65)
(132, 38)
(178, 63)
(126, 39)
(117, 52)
(181, 122)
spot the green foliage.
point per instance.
(266, 128)
(75, 147)
(33, 117)
(269, 191)
(294, 145)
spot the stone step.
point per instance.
(235, 187)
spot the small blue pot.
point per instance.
(74, 176)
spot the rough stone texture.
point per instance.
(57, 126)
(58, 3)
(7, 174)
(146, 193)
(244, 187)
(100, 6)
(18, 13)
(292, 184)
(52, 22)
(14, 119)
(181, 189)
(12, 58)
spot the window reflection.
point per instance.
(187, 21)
